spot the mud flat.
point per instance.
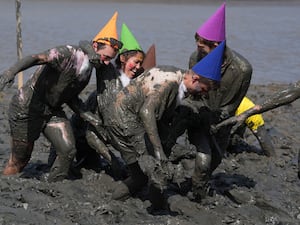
(258, 190)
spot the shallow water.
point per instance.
(265, 32)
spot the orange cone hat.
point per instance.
(108, 31)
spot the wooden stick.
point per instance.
(19, 40)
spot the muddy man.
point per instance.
(146, 105)
(37, 107)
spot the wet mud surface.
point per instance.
(247, 188)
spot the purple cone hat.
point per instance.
(214, 28)
(210, 65)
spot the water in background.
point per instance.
(265, 32)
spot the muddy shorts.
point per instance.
(28, 116)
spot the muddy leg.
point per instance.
(134, 183)
(52, 156)
(20, 156)
(201, 176)
(202, 170)
(60, 134)
(264, 140)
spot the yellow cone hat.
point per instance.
(108, 31)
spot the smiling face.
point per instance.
(131, 65)
(106, 52)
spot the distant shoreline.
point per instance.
(195, 1)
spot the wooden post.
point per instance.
(19, 40)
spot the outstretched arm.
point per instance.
(283, 97)
(79, 108)
(8, 76)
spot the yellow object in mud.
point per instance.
(253, 122)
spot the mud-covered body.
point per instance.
(139, 108)
(65, 75)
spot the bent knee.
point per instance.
(203, 161)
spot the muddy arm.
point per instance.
(8, 76)
(283, 97)
(98, 145)
(148, 116)
(79, 108)
(94, 137)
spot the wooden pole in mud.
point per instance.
(19, 40)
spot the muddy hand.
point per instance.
(96, 122)
(214, 128)
(91, 118)
(160, 155)
(237, 121)
(5, 80)
(97, 144)
(240, 120)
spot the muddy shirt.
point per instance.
(139, 107)
(64, 73)
(106, 76)
(236, 76)
(109, 85)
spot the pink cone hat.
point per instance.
(214, 28)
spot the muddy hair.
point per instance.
(127, 55)
(211, 83)
(204, 41)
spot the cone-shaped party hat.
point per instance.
(150, 58)
(108, 32)
(214, 28)
(210, 65)
(129, 41)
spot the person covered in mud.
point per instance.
(146, 105)
(222, 103)
(128, 65)
(255, 123)
(283, 97)
(280, 98)
(37, 107)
